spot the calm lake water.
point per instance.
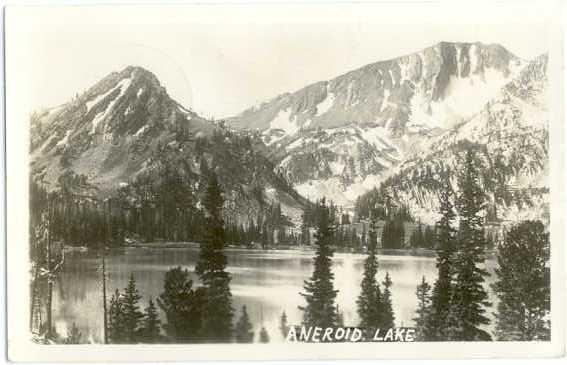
(267, 282)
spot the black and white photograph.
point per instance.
(285, 174)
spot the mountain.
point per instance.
(96, 133)
(126, 126)
(342, 137)
(402, 123)
(510, 135)
(436, 87)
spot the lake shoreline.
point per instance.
(418, 252)
(411, 252)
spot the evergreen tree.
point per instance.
(368, 302)
(319, 292)
(74, 336)
(442, 289)
(523, 284)
(340, 317)
(116, 319)
(284, 327)
(469, 297)
(151, 327)
(305, 239)
(217, 312)
(131, 311)
(393, 234)
(416, 239)
(423, 309)
(243, 329)
(182, 306)
(264, 337)
(387, 310)
(432, 237)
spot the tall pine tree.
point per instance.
(217, 311)
(442, 289)
(131, 311)
(470, 299)
(243, 329)
(284, 327)
(388, 317)
(150, 332)
(523, 284)
(116, 322)
(369, 301)
(423, 309)
(319, 291)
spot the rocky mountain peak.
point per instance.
(437, 87)
(341, 137)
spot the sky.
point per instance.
(221, 59)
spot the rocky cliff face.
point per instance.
(109, 131)
(434, 88)
(510, 135)
(340, 138)
(126, 124)
(403, 122)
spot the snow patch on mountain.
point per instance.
(284, 123)
(330, 188)
(385, 100)
(98, 99)
(123, 85)
(468, 95)
(326, 104)
(335, 189)
(140, 131)
(64, 140)
(463, 98)
(378, 137)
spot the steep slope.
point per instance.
(436, 87)
(400, 102)
(109, 131)
(126, 125)
(510, 135)
(341, 162)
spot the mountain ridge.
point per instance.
(312, 99)
(126, 126)
(429, 93)
(111, 131)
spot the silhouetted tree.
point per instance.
(74, 336)
(182, 306)
(264, 337)
(369, 301)
(116, 319)
(319, 292)
(469, 298)
(388, 312)
(442, 289)
(131, 311)
(423, 309)
(217, 311)
(284, 328)
(523, 284)
(150, 332)
(243, 329)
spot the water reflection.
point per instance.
(266, 282)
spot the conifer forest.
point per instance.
(408, 193)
